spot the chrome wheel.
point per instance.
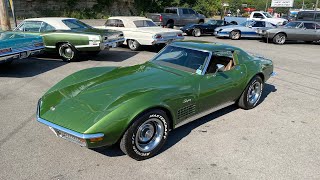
(197, 32)
(133, 44)
(235, 35)
(67, 52)
(280, 39)
(149, 135)
(254, 92)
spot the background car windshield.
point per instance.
(144, 23)
(267, 15)
(293, 24)
(75, 24)
(215, 22)
(247, 23)
(182, 58)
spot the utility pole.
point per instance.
(317, 3)
(266, 10)
(4, 17)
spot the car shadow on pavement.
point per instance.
(178, 134)
(118, 55)
(29, 67)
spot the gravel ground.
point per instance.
(279, 139)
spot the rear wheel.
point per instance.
(170, 25)
(68, 52)
(133, 45)
(145, 137)
(279, 38)
(251, 95)
(196, 32)
(235, 35)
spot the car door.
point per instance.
(186, 16)
(221, 88)
(256, 25)
(309, 31)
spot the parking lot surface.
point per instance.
(279, 139)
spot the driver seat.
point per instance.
(228, 66)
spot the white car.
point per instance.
(141, 31)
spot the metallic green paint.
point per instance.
(108, 99)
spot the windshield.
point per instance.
(293, 25)
(75, 24)
(215, 22)
(267, 15)
(247, 23)
(189, 60)
(144, 23)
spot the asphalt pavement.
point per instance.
(279, 139)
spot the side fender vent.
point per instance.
(186, 111)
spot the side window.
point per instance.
(259, 24)
(257, 15)
(185, 11)
(191, 11)
(317, 17)
(317, 26)
(32, 26)
(172, 11)
(20, 28)
(46, 27)
(111, 23)
(306, 16)
(225, 58)
(309, 25)
(119, 23)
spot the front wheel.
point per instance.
(279, 38)
(235, 35)
(196, 32)
(251, 95)
(68, 52)
(133, 45)
(145, 137)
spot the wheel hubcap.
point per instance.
(149, 135)
(281, 39)
(66, 52)
(254, 93)
(197, 32)
(133, 44)
(235, 35)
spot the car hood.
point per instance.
(82, 99)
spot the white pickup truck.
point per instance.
(257, 15)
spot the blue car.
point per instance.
(246, 29)
(18, 46)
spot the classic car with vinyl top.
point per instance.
(69, 36)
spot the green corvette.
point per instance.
(139, 105)
(69, 36)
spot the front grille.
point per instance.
(186, 111)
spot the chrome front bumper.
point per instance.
(113, 43)
(67, 134)
(22, 54)
(167, 39)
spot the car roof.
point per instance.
(128, 20)
(203, 45)
(56, 22)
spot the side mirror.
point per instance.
(220, 68)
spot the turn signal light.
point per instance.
(96, 139)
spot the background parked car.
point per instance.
(175, 16)
(70, 36)
(141, 31)
(308, 16)
(205, 28)
(307, 31)
(257, 16)
(18, 46)
(247, 29)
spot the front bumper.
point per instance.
(84, 140)
(168, 39)
(22, 54)
(221, 34)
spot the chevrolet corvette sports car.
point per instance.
(139, 105)
(206, 28)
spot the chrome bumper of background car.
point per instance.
(168, 39)
(72, 136)
(114, 43)
(23, 54)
